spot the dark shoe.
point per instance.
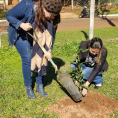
(30, 92)
(97, 86)
(40, 89)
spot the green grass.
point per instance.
(101, 12)
(13, 99)
(113, 11)
(2, 14)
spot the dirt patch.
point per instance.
(110, 39)
(3, 29)
(94, 105)
(68, 15)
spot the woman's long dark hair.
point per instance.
(96, 43)
(40, 18)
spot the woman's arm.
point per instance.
(97, 68)
(84, 92)
(15, 15)
(94, 73)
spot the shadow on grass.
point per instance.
(50, 72)
(109, 21)
(103, 10)
(85, 34)
(52, 75)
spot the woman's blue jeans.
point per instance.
(87, 71)
(24, 48)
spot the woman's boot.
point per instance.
(40, 89)
(30, 92)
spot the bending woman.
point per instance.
(94, 62)
(44, 15)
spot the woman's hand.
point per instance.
(26, 26)
(48, 55)
(84, 91)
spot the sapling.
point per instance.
(76, 73)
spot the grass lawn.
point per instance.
(101, 11)
(2, 14)
(13, 99)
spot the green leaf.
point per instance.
(84, 50)
(85, 87)
(78, 60)
(73, 62)
(77, 77)
(81, 69)
(73, 69)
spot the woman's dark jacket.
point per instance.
(97, 68)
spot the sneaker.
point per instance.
(97, 86)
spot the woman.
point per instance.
(44, 15)
(94, 62)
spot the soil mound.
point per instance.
(94, 105)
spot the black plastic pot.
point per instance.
(70, 87)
